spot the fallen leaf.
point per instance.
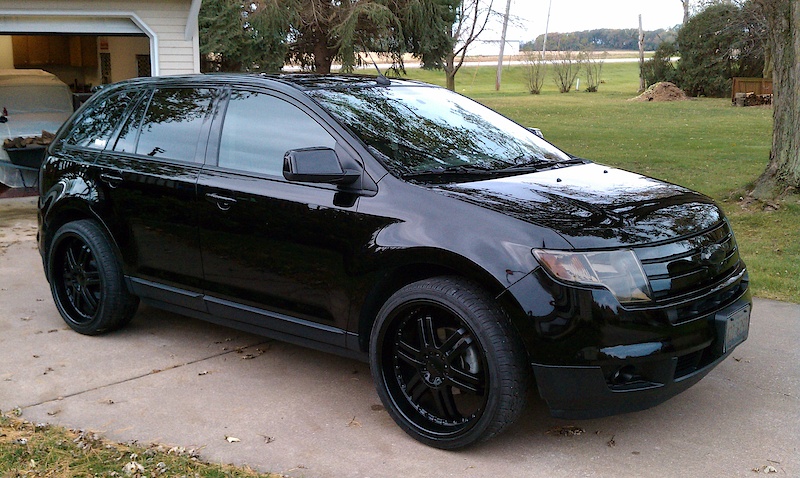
(376, 408)
(232, 439)
(354, 423)
(567, 431)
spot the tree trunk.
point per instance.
(783, 170)
(323, 56)
(450, 71)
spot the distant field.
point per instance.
(704, 144)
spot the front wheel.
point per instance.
(446, 363)
(87, 281)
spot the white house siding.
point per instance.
(163, 21)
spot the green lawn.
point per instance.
(704, 144)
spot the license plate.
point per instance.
(737, 325)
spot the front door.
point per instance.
(275, 253)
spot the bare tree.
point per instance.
(535, 71)
(566, 67)
(783, 170)
(686, 4)
(471, 19)
(593, 66)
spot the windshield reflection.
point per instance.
(419, 129)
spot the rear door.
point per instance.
(148, 176)
(275, 253)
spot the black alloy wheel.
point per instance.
(446, 365)
(86, 280)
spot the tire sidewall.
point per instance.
(421, 292)
(91, 234)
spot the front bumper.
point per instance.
(629, 383)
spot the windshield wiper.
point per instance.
(538, 164)
(457, 169)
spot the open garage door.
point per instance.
(103, 48)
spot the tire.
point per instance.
(86, 280)
(446, 364)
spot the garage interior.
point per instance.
(81, 61)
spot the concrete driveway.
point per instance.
(179, 381)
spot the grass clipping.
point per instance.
(39, 450)
(662, 91)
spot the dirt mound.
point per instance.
(662, 91)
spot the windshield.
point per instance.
(420, 129)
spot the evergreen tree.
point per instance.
(263, 34)
(715, 45)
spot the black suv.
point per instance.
(395, 222)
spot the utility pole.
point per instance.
(641, 55)
(502, 47)
(546, 29)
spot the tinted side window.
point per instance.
(126, 140)
(97, 123)
(171, 126)
(260, 128)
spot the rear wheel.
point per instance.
(446, 363)
(86, 280)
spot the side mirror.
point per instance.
(537, 132)
(317, 165)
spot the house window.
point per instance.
(143, 65)
(105, 67)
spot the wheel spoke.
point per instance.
(445, 403)
(451, 347)
(89, 300)
(72, 290)
(71, 264)
(416, 388)
(84, 257)
(92, 278)
(427, 335)
(408, 354)
(465, 381)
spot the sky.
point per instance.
(577, 15)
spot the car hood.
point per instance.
(593, 206)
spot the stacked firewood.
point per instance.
(752, 99)
(20, 142)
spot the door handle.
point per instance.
(111, 179)
(223, 202)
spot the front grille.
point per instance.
(700, 273)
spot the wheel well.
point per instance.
(64, 216)
(399, 278)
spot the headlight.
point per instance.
(618, 271)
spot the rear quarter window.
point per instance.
(95, 126)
